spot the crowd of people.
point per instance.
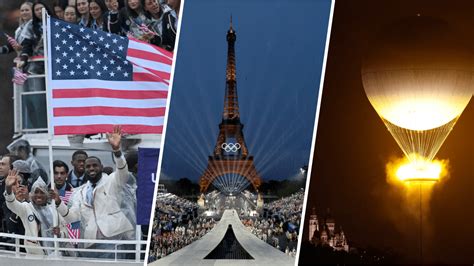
(92, 201)
(176, 225)
(85, 203)
(153, 21)
(279, 226)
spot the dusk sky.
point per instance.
(353, 146)
(279, 55)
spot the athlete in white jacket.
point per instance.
(37, 216)
(97, 203)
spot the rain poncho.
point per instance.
(38, 220)
(44, 213)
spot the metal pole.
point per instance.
(421, 226)
(17, 247)
(50, 135)
(48, 102)
(138, 236)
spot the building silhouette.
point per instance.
(323, 232)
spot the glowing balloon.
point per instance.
(419, 78)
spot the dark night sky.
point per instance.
(353, 145)
(279, 54)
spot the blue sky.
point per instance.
(279, 55)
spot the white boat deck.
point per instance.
(193, 254)
(7, 260)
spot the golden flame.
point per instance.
(412, 184)
(416, 171)
(419, 171)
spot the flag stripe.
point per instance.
(148, 64)
(91, 129)
(165, 77)
(106, 119)
(103, 84)
(36, 57)
(157, 75)
(148, 77)
(141, 45)
(73, 233)
(113, 111)
(118, 94)
(18, 76)
(102, 101)
(148, 55)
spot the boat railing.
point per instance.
(29, 103)
(123, 250)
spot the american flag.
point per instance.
(11, 41)
(19, 77)
(99, 79)
(73, 229)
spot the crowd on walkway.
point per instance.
(279, 226)
(176, 225)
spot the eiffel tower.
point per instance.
(231, 155)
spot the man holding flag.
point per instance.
(96, 80)
(97, 203)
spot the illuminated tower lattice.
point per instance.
(230, 168)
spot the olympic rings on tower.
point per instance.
(230, 147)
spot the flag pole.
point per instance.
(46, 42)
(48, 93)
